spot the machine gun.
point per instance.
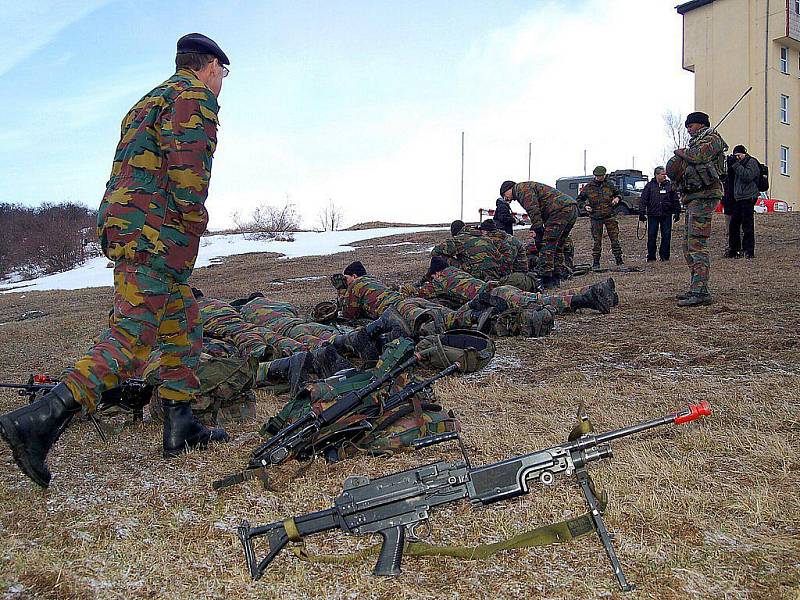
(130, 397)
(396, 504)
(298, 437)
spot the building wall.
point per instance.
(724, 45)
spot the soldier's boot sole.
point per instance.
(694, 300)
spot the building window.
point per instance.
(784, 108)
(784, 60)
(785, 160)
(797, 6)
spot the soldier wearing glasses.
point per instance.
(149, 224)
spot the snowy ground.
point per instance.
(95, 272)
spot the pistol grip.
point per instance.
(394, 538)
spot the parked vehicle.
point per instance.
(630, 182)
(765, 204)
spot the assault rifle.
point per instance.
(298, 437)
(130, 397)
(401, 502)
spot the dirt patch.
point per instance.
(709, 510)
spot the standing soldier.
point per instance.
(149, 223)
(600, 198)
(553, 215)
(697, 171)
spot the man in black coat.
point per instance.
(741, 234)
(659, 206)
(503, 216)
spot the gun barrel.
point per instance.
(691, 413)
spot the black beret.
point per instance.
(456, 227)
(739, 149)
(355, 268)
(507, 185)
(438, 263)
(488, 225)
(700, 118)
(197, 42)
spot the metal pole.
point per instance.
(766, 90)
(633, 162)
(462, 175)
(584, 161)
(530, 145)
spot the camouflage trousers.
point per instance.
(612, 227)
(282, 318)
(151, 311)
(695, 244)
(418, 312)
(554, 241)
(251, 339)
(516, 298)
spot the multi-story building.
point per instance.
(731, 45)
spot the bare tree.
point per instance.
(330, 217)
(677, 134)
(269, 222)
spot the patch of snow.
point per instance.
(94, 272)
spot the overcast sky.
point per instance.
(359, 102)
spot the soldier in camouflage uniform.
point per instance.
(697, 171)
(470, 251)
(284, 319)
(149, 224)
(454, 285)
(552, 215)
(512, 250)
(600, 198)
(362, 296)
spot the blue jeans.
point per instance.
(653, 225)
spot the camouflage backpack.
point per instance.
(368, 429)
(226, 390)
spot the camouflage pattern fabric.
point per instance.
(283, 319)
(599, 196)
(366, 297)
(516, 298)
(540, 201)
(554, 241)
(222, 320)
(452, 284)
(705, 165)
(151, 310)
(472, 252)
(612, 227)
(153, 211)
(515, 258)
(697, 221)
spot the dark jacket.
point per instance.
(503, 216)
(727, 183)
(659, 200)
(745, 178)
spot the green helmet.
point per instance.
(599, 171)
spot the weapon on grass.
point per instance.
(397, 504)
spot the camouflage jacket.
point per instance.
(515, 257)
(472, 252)
(451, 284)
(540, 201)
(598, 195)
(705, 158)
(153, 211)
(218, 317)
(266, 312)
(367, 298)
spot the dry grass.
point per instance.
(709, 510)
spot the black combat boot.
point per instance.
(390, 322)
(598, 297)
(358, 343)
(550, 281)
(611, 284)
(33, 429)
(480, 302)
(293, 369)
(619, 261)
(484, 319)
(326, 361)
(595, 263)
(183, 431)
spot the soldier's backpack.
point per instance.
(368, 429)
(470, 349)
(763, 178)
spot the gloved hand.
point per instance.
(676, 217)
(642, 218)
